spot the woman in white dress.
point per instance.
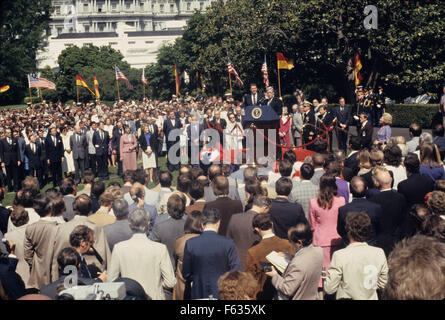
(148, 154)
(108, 127)
(68, 164)
(233, 134)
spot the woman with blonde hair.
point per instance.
(384, 133)
(431, 164)
(364, 162)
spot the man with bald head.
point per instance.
(79, 147)
(394, 210)
(359, 203)
(226, 206)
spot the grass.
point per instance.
(9, 197)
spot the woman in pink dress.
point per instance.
(323, 214)
(128, 147)
(285, 123)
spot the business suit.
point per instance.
(21, 168)
(352, 162)
(302, 193)
(100, 141)
(276, 104)
(92, 161)
(394, 212)
(227, 208)
(69, 213)
(253, 99)
(117, 232)
(209, 194)
(43, 161)
(170, 125)
(100, 244)
(415, 188)
(167, 232)
(102, 218)
(115, 145)
(309, 128)
(128, 257)
(257, 254)
(17, 236)
(300, 279)
(206, 258)
(373, 210)
(181, 291)
(79, 147)
(38, 251)
(351, 269)
(343, 116)
(4, 217)
(54, 153)
(196, 206)
(285, 214)
(240, 230)
(33, 151)
(297, 122)
(11, 282)
(194, 131)
(365, 134)
(10, 156)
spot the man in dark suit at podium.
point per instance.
(254, 98)
(273, 101)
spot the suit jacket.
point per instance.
(241, 231)
(181, 291)
(9, 153)
(343, 117)
(198, 206)
(100, 244)
(167, 232)
(373, 210)
(256, 255)
(117, 232)
(394, 213)
(365, 135)
(349, 269)
(11, 282)
(248, 99)
(38, 251)
(317, 175)
(34, 157)
(218, 126)
(206, 258)
(302, 193)
(128, 257)
(4, 217)
(415, 188)
(209, 194)
(21, 142)
(101, 145)
(69, 213)
(168, 126)
(342, 188)
(297, 121)
(300, 279)
(116, 138)
(18, 237)
(285, 214)
(54, 153)
(102, 218)
(276, 104)
(227, 207)
(352, 163)
(42, 143)
(79, 147)
(200, 128)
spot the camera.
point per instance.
(266, 267)
(6, 243)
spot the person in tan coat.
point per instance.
(99, 255)
(300, 279)
(102, 217)
(39, 244)
(192, 228)
(262, 224)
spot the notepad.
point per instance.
(279, 262)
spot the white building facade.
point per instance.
(137, 28)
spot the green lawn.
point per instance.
(9, 197)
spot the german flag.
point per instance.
(81, 83)
(96, 87)
(357, 68)
(283, 62)
(4, 89)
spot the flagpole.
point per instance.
(279, 80)
(143, 90)
(77, 89)
(29, 85)
(118, 94)
(230, 84)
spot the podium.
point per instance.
(262, 117)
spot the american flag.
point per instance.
(120, 75)
(40, 83)
(233, 71)
(144, 80)
(264, 71)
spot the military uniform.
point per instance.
(323, 124)
(368, 105)
(379, 107)
(309, 131)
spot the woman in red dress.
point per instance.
(284, 132)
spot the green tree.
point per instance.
(23, 23)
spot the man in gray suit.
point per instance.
(69, 191)
(79, 146)
(304, 191)
(120, 230)
(297, 123)
(317, 162)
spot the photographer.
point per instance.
(300, 279)
(11, 285)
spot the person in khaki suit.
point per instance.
(357, 271)
(102, 217)
(142, 260)
(300, 279)
(39, 244)
(101, 258)
(262, 224)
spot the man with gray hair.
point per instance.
(120, 230)
(142, 260)
(79, 148)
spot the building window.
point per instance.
(59, 31)
(87, 28)
(112, 43)
(172, 8)
(130, 23)
(189, 6)
(68, 45)
(131, 42)
(148, 42)
(161, 8)
(85, 7)
(87, 44)
(57, 10)
(114, 25)
(201, 5)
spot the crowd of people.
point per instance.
(345, 224)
